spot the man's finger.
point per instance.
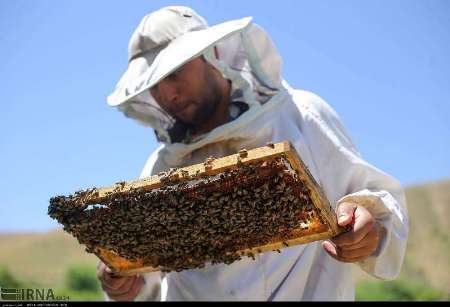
(364, 251)
(126, 284)
(132, 292)
(330, 249)
(114, 283)
(100, 270)
(112, 280)
(137, 287)
(335, 253)
(351, 260)
(345, 213)
(371, 238)
(362, 226)
(351, 237)
(104, 271)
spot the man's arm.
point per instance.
(374, 201)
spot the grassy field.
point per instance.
(52, 259)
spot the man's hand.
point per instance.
(119, 288)
(361, 241)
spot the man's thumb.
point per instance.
(345, 212)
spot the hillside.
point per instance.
(44, 257)
(427, 260)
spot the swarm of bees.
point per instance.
(185, 224)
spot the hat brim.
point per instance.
(141, 76)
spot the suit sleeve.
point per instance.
(345, 176)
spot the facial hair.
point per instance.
(211, 98)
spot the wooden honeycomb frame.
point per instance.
(316, 231)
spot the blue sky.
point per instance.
(382, 65)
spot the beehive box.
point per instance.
(218, 211)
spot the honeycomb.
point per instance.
(255, 201)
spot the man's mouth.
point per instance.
(180, 112)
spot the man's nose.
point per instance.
(171, 93)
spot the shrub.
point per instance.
(7, 280)
(82, 277)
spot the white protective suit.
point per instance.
(276, 113)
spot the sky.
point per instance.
(382, 65)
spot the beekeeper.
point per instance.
(213, 90)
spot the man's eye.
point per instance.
(175, 74)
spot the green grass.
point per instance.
(398, 290)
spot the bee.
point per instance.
(243, 153)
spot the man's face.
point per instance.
(191, 93)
